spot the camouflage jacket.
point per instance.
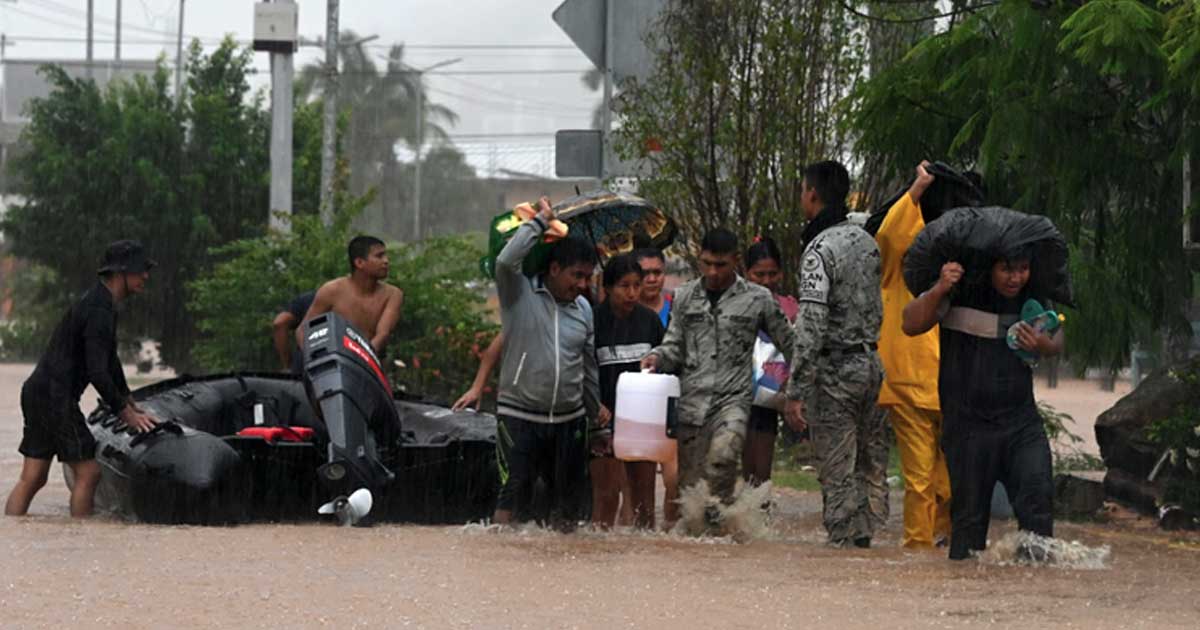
(840, 303)
(712, 349)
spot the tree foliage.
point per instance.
(132, 162)
(380, 107)
(441, 325)
(1078, 112)
(744, 93)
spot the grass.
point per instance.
(790, 458)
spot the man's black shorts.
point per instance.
(53, 426)
(555, 453)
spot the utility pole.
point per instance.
(117, 47)
(282, 103)
(606, 120)
(420, 136)
(91, 15)
(329, 103)
(179, 58)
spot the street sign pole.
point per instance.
(606, 126)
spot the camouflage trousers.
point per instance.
(712, 451)
(849, 434)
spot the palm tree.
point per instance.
(380, 105)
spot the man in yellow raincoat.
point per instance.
(910, 386)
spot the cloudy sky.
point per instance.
(519, 72)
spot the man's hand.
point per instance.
(138, 420)
(793, 413)
(952, 273)
(604, 417)
(545, 211)
(602, 444)
(1030, 340)
(470, 398)
(921, 183)
(650, 363)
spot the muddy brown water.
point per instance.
(105, 573)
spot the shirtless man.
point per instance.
(371, 305)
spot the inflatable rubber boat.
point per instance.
(246, 447)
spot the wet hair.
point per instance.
(719, 241)
(1024, 253)
(831, 181)
(764, 248)
(360, 247)
(569, 252)
(648, 252)
(619, 267)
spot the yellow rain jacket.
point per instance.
(911, 363)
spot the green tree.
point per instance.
(1081, 113)
(381, 107)
(131, 162)
(442, 326)
(743, 94)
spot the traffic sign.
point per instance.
(584, 22)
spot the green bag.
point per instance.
(498, 237)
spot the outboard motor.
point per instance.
(351, 394)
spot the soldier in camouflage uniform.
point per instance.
(710, 345)
(836, 372)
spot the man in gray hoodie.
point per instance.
(549, 383)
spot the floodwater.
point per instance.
(105, 573)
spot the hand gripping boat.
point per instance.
(251, 447)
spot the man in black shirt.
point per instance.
(82, 350)
(283, 332)
(992, 429)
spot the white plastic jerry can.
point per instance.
(645, 402)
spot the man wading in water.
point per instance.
(371, 305)
(549, 381)
(82, 350)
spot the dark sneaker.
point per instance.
(863, 542)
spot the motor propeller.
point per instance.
(349, 510)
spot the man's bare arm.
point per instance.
(322, 303)
(388, 319)
(279, 334)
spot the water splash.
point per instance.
(702, 514)
(1022, 548)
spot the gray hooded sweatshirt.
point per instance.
(548, 372)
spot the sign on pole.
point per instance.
(612, 34)
(583, 21)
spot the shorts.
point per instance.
(764, 420)
(54, 427)
(555, 453)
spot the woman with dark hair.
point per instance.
(763, 267)
(625, 332)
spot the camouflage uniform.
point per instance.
(712, 351)
(837, 372)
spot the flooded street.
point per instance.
(105, 573)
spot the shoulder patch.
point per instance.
(814, 280)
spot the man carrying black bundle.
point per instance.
(82, 350)
(993, 430)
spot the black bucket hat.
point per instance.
(125, 256)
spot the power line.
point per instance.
(508, 96)
(515, 104)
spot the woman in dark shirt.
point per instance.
(625, 332)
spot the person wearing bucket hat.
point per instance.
(82, 351)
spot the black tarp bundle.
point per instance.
(950, 189)
(977, 237)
